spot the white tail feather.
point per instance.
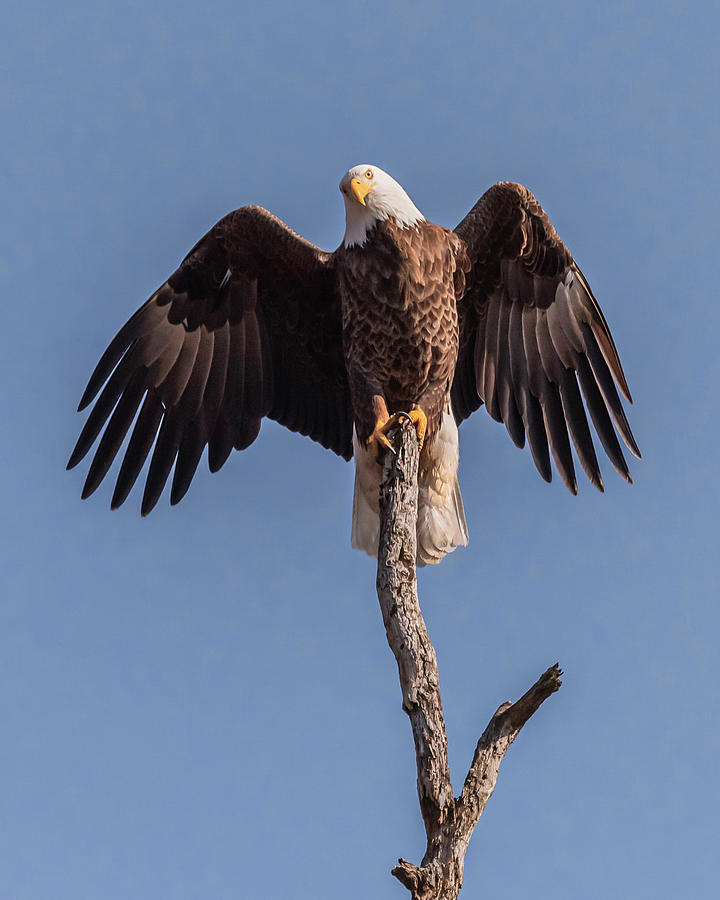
(441, 525)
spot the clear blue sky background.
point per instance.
(202, 704)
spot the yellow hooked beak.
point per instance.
(361, 189)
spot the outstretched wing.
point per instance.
(530, 332)
(248, 326)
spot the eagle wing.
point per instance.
(248, 326)
(531, 331)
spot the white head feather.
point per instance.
(381, 197)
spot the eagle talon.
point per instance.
(380, 434)
(380, 441)
(416, 416)
(419, 420)
(394, 420)
(384, 442)
(399, 416)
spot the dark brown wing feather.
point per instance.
(248, 326)
(530, 330)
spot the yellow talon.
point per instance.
(420, 422)
(385, 423)
(379, 436)
(416, 416)
(379, 439)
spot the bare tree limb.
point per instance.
(449, 822)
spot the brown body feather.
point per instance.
(400, 326)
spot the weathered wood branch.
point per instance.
(449, 822)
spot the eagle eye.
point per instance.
(368, 174)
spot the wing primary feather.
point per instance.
(220, 445)
(252, 406)
(605, 341)
(487, 388)
(247, 432)
(197, 404)
(539, 434)
(268, 372)
(231, 413)
(557, 433)
(233, 407)
(537, 437)
(518, 365)
(104, 406)
(607, 387)
(141, 440)
(222, 432)
(140, 323)
(532, 353)
(579, 428)
(166, 448)
(479, 350)
(504, 385)
(607, 348)
(194, 394)
(188, 459)
(253, 378)
(115, 432)
(601, 419)
(177, 420)
(215, 387)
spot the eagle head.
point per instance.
(371, 196)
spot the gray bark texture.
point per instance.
(449, 820)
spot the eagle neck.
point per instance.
(386, 236)
(361, 220)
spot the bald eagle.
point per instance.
(405, 316)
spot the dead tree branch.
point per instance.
(449, 821)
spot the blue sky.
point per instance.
(203, 703)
